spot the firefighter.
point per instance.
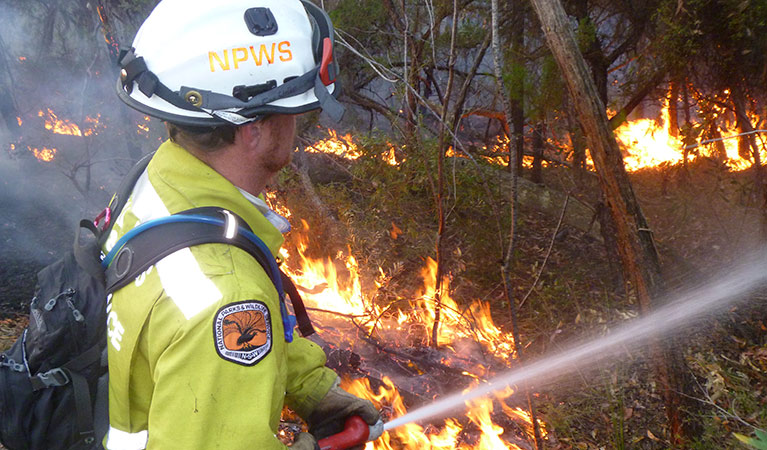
(201, 354)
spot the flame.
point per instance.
(648, 143)
(346, 147)
(332, 287)
(67, 127)
(18, 119)
(22, 58)
(94, 123)
(336, 145)
(59, 126)
(391, 157)
(496, 153)
(451, 434)
(46, 154)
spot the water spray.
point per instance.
(682, 310)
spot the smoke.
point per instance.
(56, 59)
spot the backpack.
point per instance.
(53, 380)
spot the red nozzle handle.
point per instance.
(356, 432)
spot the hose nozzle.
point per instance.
(356, 432)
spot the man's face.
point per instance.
(277, 136)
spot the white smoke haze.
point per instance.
(54, 61)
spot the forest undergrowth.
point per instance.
(702, 217)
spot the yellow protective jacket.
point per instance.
(197, 353)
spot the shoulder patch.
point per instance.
(243, 332)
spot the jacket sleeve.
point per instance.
(308, 378)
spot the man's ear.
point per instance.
(249, 133)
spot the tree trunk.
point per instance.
(518, 89)
(442, 148)
(513, 194)
(536, 175)
(673, 111)
(637, 249)
(748, 149)
(687, 125)
(720, 152)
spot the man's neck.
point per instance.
(232, 163)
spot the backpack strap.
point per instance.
(71, 372)
(151, 241)
(87, 252)
(118, 201)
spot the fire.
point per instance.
(46, 154)
(66, 126)
(649, 144)
(59, 126)
(497, 153)
(336, 145)
(390, 156)
(452, 434)
(346, 147)
(94, 123)
(332, 287)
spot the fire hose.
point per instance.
(356, 432)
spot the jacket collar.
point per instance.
(185, 182)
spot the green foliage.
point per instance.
(735, 391)
(548, 93)
(721, 43)
(470, 34)
(358, 14)
(759, 441)
(586, 34)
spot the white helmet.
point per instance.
(208, 63)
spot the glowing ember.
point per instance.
(94, 124)
(497, 153)
(46, 154)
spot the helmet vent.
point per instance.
(261, 21)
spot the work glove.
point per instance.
(329, 416)
(304, 441)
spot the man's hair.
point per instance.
(207, 139)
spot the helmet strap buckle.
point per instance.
(245, 93)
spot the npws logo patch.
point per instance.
(243, 332)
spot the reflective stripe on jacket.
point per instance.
(179, 378)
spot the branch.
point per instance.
(548, 252)
(469, 77)
(620, 116)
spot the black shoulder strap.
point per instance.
(150, 246)
(87, 252)
(123, 193)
